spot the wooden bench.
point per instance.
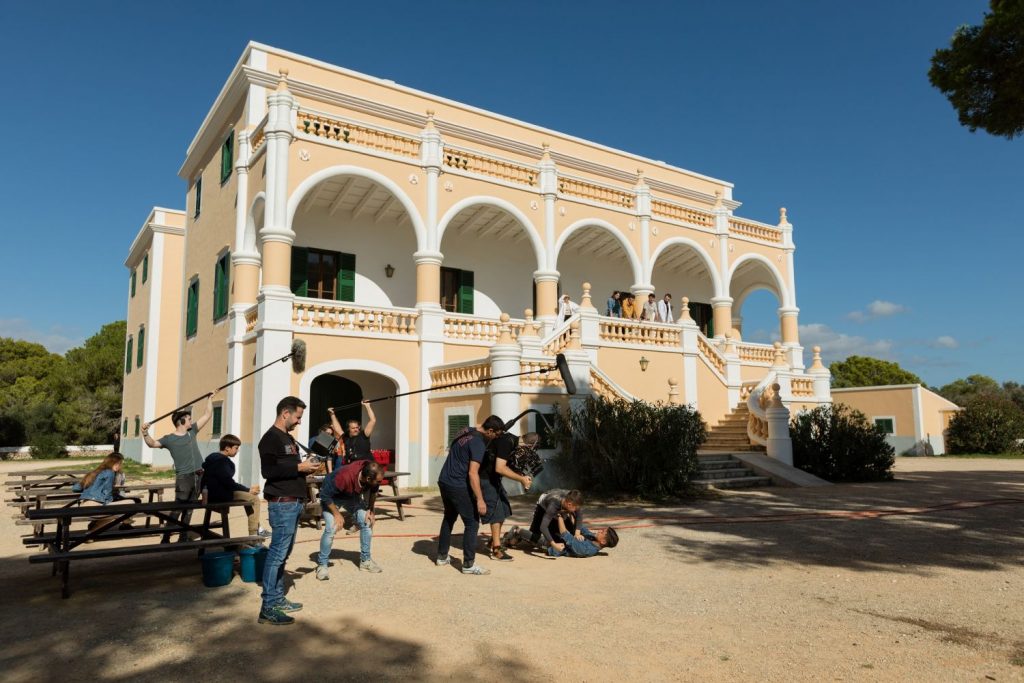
(399, 501)
(64, 544)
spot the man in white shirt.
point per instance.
(665, 313)
(566, 309)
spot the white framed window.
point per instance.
(885, 423)
(455, 419)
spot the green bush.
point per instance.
(988, 424)
(47, 446)
(634, 448)
(838, 443)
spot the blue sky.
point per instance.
(908, 227)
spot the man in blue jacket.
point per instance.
(219, 485)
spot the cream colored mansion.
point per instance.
(412, 241)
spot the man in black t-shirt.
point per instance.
(357, 438)
(285, 491)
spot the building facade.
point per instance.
(412, 241)
(909, 415)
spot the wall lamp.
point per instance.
(389, 270)
(644, 363)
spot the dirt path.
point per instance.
(853, 582)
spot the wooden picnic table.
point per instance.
(63, 546)
(38, 500)
(75, 472)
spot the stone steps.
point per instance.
(722, 471)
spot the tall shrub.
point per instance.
(838, 443)
(987, 424)
(635, 448)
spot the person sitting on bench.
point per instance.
(97, 487)
(219, 485)
(353, 487)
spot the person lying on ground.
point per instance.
(545, 523)
(580, 541)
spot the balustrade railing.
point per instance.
(314, 314)
(602, 385)
(472, 371)
(638, 332)
(502, 169)
(258, 135)
(542, 374)
(470, 328)
(558, 339)
(761, 231)
(334, 128)
(801, 387)
(251, 317)
(683, 214)
(604, 194)
(756, 353)
(711, 354)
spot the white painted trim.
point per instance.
(402, 454)
(634, 260)
(918, 413)
(875, 418)
(313, 180)
(152, 357)
(716, 279)
(884, 387)
(480, 200)
(780, 282)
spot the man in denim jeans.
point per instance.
(285, 492)
(353, 487)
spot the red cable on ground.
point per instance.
(666, 520)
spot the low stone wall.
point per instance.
(25, 452)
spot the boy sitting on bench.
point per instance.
(219, 485)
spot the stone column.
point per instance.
(643, 286)
(688, 342)
(546, 279)
(505, 357)
(274, 327)
(428, 279)
(788, 325)
(779, 446)
(721, 315)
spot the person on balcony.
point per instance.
(614, 309)
(650, 309)
(665, 312)
(566, 308)
(629, 307)
(356, 438)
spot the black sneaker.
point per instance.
(275, 617)
(288, 606)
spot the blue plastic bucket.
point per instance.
(218, 569)
(251, 562)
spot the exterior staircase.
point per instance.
(730, 434)
(722, 471)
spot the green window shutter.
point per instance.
(133, 283)
(145, 268)
(217, 417)
(124, 429)
(466, 292)
(192, 309)
(455, 424)
(128, 358)
(227, 153)
(220, 288)
(136, 425)
(225, 285)
(141, 354)
(199, 196)
(345, 290)
(300, 277)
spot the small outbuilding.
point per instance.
(912, 416)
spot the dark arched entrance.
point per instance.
(332, 390)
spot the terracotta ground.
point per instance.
(751, 586)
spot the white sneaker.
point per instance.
(370, 566)
(476, 570)
(443, 561)
(321, 573)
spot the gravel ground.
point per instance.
(851, 582)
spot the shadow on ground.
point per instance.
(147, 619)
(987, 536)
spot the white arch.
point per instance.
(634, 260)
(309, 183)
(401, 409)
(716, 280)
(481, 200)
(782, 292)
(250, 240)
(738, 301)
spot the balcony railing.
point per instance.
(372, 137)
(482, 164)
(638, 332)
(761, 231)
(478, 329)
(318, 314)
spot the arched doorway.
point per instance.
(596, 252)
(681, 268)
(352, 386)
